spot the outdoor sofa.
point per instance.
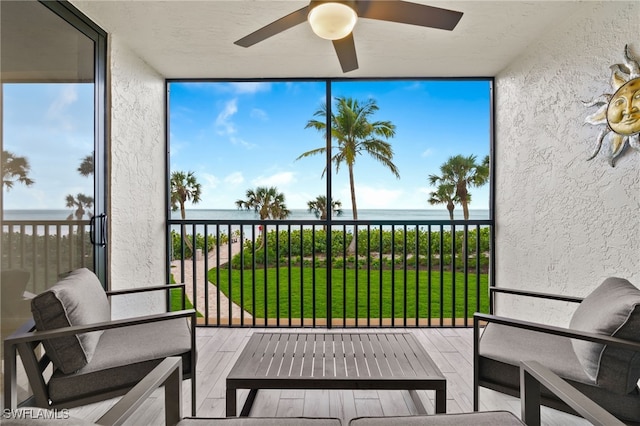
(168, 374)
(598, 354)
(93, 356)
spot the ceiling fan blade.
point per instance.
(409, 13)
(346, 50)
(277, 26)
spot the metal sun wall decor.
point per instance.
(620, 112)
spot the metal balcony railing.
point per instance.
(46, 248)
(293, 273)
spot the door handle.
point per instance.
(102, 218)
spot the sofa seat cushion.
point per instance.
(77, 299)
(123, 357)
(612, 309)
(482, 418)
(260, 421)
(502, 348)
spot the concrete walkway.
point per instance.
(201, 279)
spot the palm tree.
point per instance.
(184, 187)
(267, 202)
(79, 203)
(445, 194)
(86, 166)
(463, 173)
(15, 169)
(319, 208)
(355, 136)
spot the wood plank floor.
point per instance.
(218, 349)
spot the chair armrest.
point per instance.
(533, 375)
(145, 289)
(539, 295)
(168, 374)
(558, 331)
(33, 336)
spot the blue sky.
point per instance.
(52, 126)
(237, 136)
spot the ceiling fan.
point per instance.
(334, 20)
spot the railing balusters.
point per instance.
(289, 273)
(218, 247)
(380, 277)
(417, 262)
(429, 283)
(313, 273)
(393, 275)
(253, 275)
(404, 267)
(277, 275)
(206, 273)
(453, 274)
(369, 275)
(344, 275)
(44, 248)
(301, 277)
(410, 293)
(465, 260)
(356, 267)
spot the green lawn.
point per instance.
(175, 300)
(291, 294)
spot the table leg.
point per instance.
(231, 402)
(246, 408)
(441, 400)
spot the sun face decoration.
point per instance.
(620, 112)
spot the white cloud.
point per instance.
(260, 114)
(241, 142)
(427, 152)
(369, 197)
(68, 96)
(278, 179)
(234, 179)
(223, 120)
(209, 180)
(426, 190)
(58, 111)
(250, 87)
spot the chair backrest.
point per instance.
(613, 309)
(77, 299)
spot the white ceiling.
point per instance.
(194, 39)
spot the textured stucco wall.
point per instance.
(137, 179)
(564, 224)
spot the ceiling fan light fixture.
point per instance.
(332, 20)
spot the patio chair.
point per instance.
(533, 378)
(598, 354)
(94, 357)
(168, 374)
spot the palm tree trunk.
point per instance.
(352, 245)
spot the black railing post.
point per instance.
(329, 254)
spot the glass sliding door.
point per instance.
(53, 150)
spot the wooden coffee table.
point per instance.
(335, 361)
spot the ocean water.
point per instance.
(247, 231)
(296, 214)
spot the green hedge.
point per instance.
(302, 245)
